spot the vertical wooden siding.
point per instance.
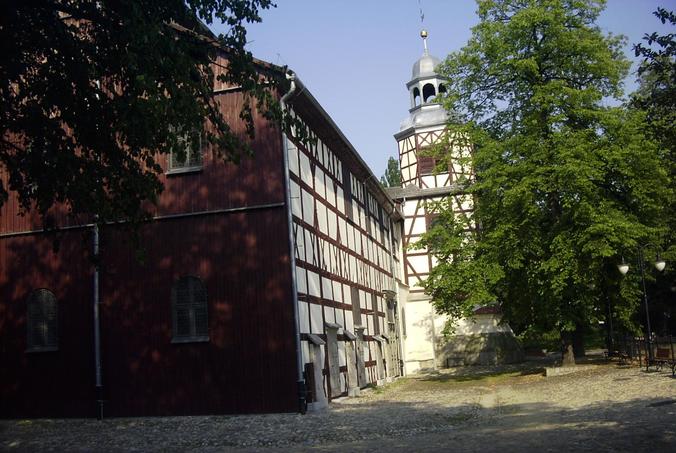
(46, 383)
(249, 363)
(256, 179)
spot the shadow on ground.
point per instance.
(637, 425)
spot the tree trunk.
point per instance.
(567, 355)
(609, 328)
(578, 342)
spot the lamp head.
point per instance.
(623, 268)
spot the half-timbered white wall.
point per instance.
(414, 148)
(423, 325)
(344, 259)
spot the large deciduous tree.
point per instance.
(93, 91)
(657, 97)
(565, 185)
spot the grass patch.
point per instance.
(480, 377)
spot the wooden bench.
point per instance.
(664, 357)
(623, 357)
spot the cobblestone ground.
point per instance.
(604, 407)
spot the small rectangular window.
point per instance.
(189, 310)
(42, 334)
(426, 165)
(189, 156)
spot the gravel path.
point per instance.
(602, 408)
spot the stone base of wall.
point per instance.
(493, 348)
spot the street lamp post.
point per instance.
(659, 265)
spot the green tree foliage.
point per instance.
(657, 97)
(392, 176)
(93, 91)
(657, 77)
(564, 185)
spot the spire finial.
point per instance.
(423, 35)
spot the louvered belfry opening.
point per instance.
(42, 333)
(189, 310)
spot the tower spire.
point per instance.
(423, 35)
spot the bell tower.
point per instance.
(424, 125)
(425, 182)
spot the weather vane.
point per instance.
(423, 32)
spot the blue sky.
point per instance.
(356, 56)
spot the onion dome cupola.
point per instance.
(424, 88)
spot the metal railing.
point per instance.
(656, 351)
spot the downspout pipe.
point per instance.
(97, 324)
(302, 391)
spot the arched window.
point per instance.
(428, 92)
(190, 317)
(42, 333)
(442, 88)
(416, 96)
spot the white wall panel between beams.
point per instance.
(301, 280)
(418, 225)
(316, 318)
(337, 291)
(321, 216)
(293, 157)
(333, 225)
(419, 263)
(305, 350)
(340, 201)
(341, 354)
(329, 314)
(342, 228)
(308, 246)
(330, 191)
(308, 207)
(340, 317)
(313, 284)
(327, 289)
(349, 321)
(296, 208)
(304, 317)
(305, 170)
(320, 186)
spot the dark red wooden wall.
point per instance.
(46, 383)
(242, 257)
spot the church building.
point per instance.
(274, 285)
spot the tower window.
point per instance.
(416, 96)
(426, 165)
(42, 321)
(442, 88)
(189, 310)
(428, 92)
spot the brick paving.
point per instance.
(601, 408)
